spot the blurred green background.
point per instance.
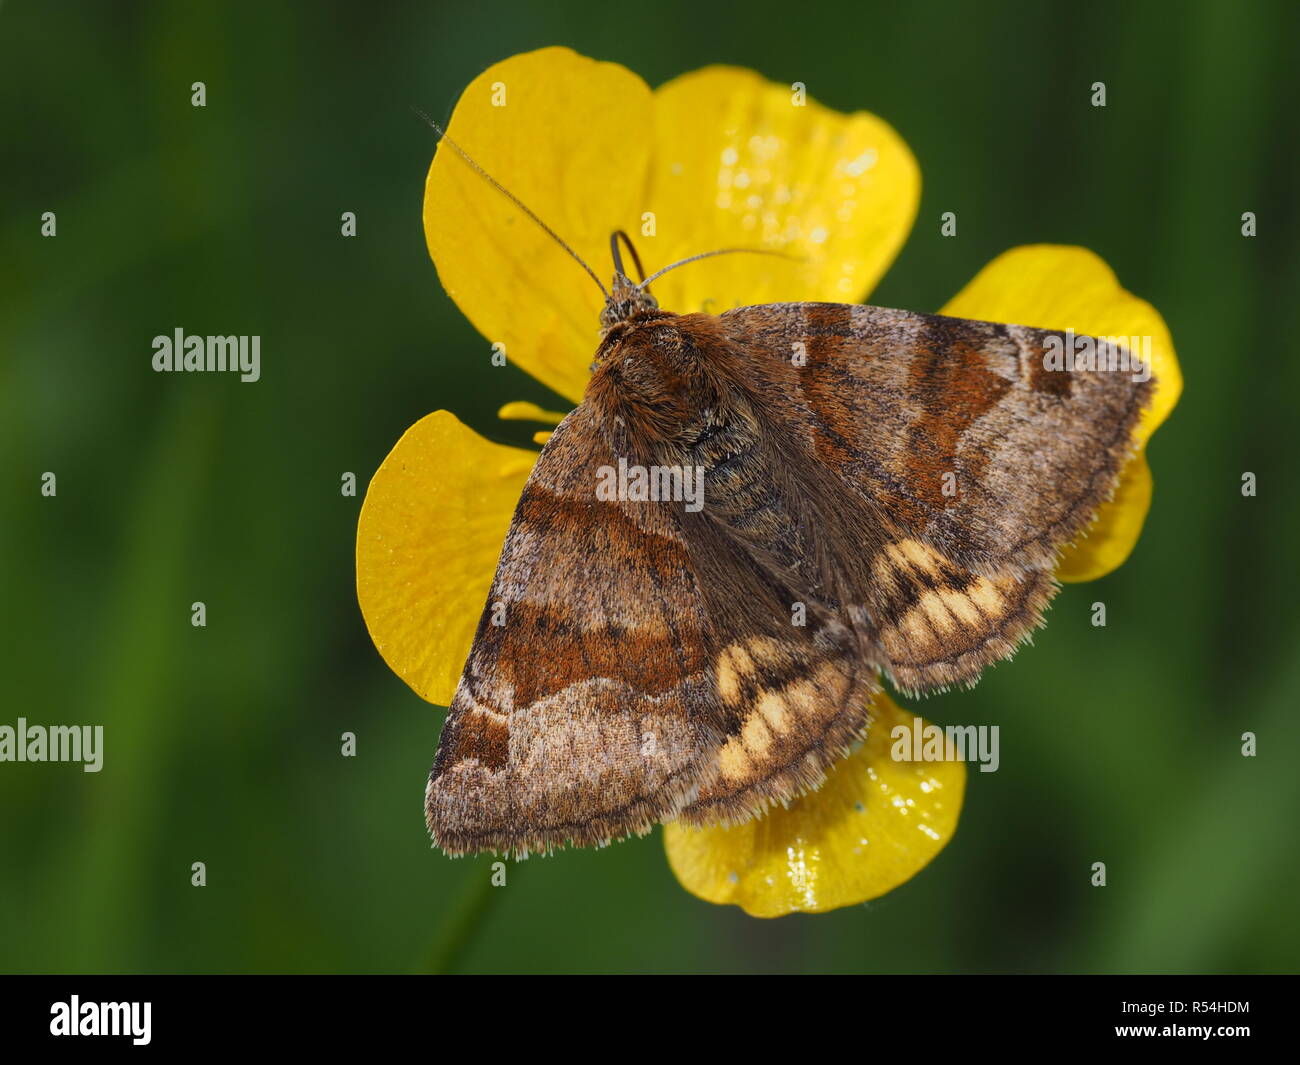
(1119, 744)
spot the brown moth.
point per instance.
(882, 492)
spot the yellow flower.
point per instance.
(718, 158)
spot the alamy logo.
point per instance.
(196, 354)
(641, 484)
(1071, 354)
(55, 743)
(102, 1018)
(920, 742)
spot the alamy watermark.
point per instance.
(53, 743)
(211, 354)
(922, 742)
(1070, 353)
(74, 1017)
(642, 484)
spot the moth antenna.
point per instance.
(618, 259)
(721, 251)
(442, 134)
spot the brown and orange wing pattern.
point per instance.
(587, 709)
(973, 464)
(954, 428)
(636, 663)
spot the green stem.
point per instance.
(456, 933)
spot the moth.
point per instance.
(884, 493)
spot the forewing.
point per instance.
(587, 709)
(956, 429)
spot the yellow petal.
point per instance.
(569, 137)
(1115, 533)
(873, 825)
(1055, 286)
(521, 411)
(737, 163)
(430, 532)
(1051, 286)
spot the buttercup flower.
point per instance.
(718, 158)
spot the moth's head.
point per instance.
(626, 298)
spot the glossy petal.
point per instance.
(570, 141)
(520, 411)
(873, 825)
(1115, 533)
(737, 163)
(430, 532)
(1051, 286)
